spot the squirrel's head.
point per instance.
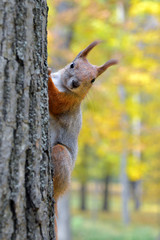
(79, 75)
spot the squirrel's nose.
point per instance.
(75, 84)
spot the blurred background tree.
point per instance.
(121, 122)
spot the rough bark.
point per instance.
(26, 203)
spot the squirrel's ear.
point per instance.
(85, 52)
(102, 68)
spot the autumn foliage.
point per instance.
(130, 32)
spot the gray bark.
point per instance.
(26, 202)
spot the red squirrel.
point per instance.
(66, 89)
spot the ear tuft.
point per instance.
(109, 63)
(85, 52)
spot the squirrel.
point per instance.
(66, 89)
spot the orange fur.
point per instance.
(62, 173)
(60, 102)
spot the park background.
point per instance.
(115, 191)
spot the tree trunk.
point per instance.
(124, 178)
(64, 230)
(135, 189)
(83, 196)
(121, 15)
(125, 189)
(106, 194)
(26, 192)
(136, 186)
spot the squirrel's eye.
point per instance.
(93, 80)
(72, 65)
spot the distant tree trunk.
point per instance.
(121, 15)
(83, 196)
(135, 189)
(106, 194)
(95, 196)
(136, 186)
(124, 178)
(64, 231)
(63, 33)
(26, 188)
(125, 189)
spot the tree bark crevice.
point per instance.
(14, 218)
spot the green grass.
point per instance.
(84, 228)
(94, 224)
